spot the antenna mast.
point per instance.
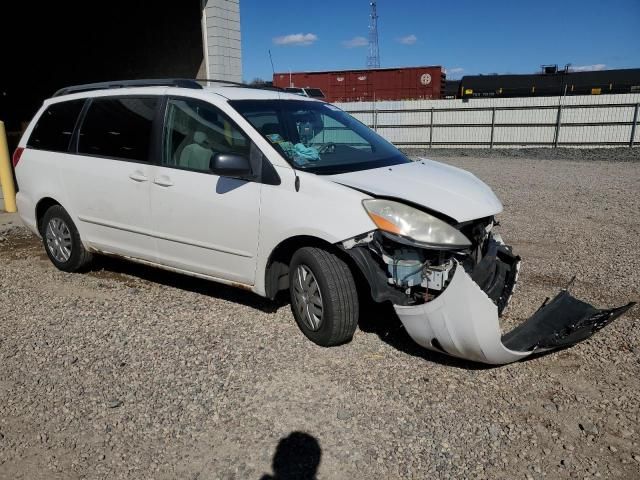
(373, 58)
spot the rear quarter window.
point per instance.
(54, 128)
(314, 92)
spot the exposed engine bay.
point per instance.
(450, 299)
(416, 274)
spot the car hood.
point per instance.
(451, 191)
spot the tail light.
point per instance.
(16, 156)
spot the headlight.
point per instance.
(400, 219)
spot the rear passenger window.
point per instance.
(55, 126)
(118, 128)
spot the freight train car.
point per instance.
(551, 83)
(411, 83)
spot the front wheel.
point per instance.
(324, 299)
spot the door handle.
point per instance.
(138, 176)
(163, 181)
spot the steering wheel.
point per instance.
(329, 147)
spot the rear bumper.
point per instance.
(27, 211)
(463, 322)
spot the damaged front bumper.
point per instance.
(463, 319)
(463, 322)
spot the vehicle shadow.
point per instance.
(297, 457)
(117, 269)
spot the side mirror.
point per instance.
(230, 165)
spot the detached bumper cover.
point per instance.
(463, 322)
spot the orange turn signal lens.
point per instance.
(384, 224)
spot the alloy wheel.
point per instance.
(307, 297)
(58, 238)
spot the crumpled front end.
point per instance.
(463, 322)
(451, 301)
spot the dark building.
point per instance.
(49, 45)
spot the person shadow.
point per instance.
(297, 457)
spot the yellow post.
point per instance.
(6, 174)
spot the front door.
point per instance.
(204, 223)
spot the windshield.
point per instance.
(318, 137)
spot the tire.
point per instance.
(335, 321)
(62, 241)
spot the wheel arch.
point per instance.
(42, 206)
(277, 267)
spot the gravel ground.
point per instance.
(579, 154)
(130, 372)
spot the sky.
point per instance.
(465, 37)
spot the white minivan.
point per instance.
(269, 191)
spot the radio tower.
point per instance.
(373, 58)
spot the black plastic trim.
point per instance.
(157, 128)
(73, 144)
(376, 277)
(496, 273)
(562, 322)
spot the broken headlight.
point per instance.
(400, 219)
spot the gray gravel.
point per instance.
(129, 372)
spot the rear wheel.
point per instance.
(62, 241)
(324, 299)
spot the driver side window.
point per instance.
(195, 131)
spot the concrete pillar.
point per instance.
(221, 39)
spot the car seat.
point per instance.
(196, 155)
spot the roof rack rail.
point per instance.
(217, 80)
(157, 82)
(237, 84)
